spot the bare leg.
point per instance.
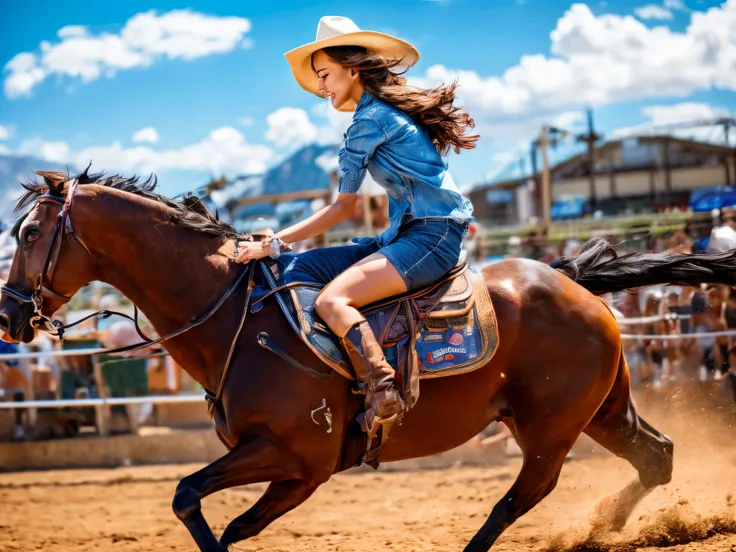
(369, 280)
(254, 461)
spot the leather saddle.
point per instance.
(444, 329)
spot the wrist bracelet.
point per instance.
(276, 246)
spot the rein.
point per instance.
(62, 228)
(55, 327)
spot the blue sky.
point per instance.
(190, 90)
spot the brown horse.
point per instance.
(559, 370)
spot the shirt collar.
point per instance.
(365, 99)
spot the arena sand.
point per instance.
(128, 509)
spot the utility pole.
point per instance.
(590, 139)
(545, 195)
(535, 180)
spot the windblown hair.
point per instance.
(433, 109)
(188, 211)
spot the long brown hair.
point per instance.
(432, 108)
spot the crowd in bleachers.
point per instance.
(686, 316)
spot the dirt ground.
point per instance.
(128, 509)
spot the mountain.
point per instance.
(306, 169)
(300, 172)
(14, 169)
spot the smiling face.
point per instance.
(336, 82)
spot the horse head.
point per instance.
(48, 267)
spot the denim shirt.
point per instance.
(401, 158)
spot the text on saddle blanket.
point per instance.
(450, 327)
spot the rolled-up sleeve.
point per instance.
(361, 140)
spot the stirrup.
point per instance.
(376, 423)
(372, 454)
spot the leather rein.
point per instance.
(57, 328)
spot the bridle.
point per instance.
(55, 327)
(62, 228)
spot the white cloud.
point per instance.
(4, 150)
(246, 121)
(599, 60)
(682, 112)
(290, 127)
(502, 161)
(569, 120)
(336, 123)
(145, 38)
(660, 115)
(4, 133)
(653, 11)
(675, 5)
(71, 31)
(147, 134)
(224, 151)
(328, 162)
(56, 152)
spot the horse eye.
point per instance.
(31, 237)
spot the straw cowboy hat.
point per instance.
(340, 31)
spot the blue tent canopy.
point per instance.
(716, 197)
(569, 207)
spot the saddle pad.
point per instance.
(449, 341)
(460, 343)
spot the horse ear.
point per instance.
(84, 175)
(53, 179)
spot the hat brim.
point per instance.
(300, 59)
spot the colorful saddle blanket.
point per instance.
(442, 330)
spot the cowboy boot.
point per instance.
(383, 404)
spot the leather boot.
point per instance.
(383, 404)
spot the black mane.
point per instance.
(187, 211)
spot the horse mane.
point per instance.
(187, 211)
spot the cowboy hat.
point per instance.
(334, 30)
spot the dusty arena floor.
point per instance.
(128, 509)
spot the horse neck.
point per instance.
(172, 274)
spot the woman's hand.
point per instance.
(249, 251)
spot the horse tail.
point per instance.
(600, 269)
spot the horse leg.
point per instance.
(621, 430)
(255, 460)
(543, 460)
(280, 498)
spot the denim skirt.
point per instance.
(423, 252)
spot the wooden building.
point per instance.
(635, 175)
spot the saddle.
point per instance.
(444, 329)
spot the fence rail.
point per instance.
(99, 403)
(112, 401)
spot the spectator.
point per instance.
(634, 352)
(677, 241)
(731, 375)
(15, 382)
(654, 348)
(723, 238)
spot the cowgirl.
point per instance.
(400, 134)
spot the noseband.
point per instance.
(55, 327)
(63, 228)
